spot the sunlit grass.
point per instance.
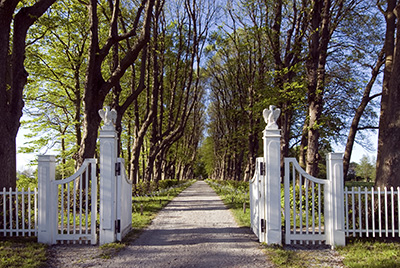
(22, 252)
(370, 253)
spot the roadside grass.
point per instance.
(356, 254)
(22, 252)
(366, 252)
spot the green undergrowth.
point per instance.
(144, 209)
(363, 252)
(235, 195)
(22, 252)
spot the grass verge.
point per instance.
(363, 252)
(22, 252)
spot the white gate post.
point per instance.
(108, 157)
(334, 204)
(272, 152)
(47, 199)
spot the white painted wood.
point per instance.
(124, 201)
(46, 207)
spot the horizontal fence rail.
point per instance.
(372, 212)
(18, 214)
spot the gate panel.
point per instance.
(304, 206)
(76, 206)
(124, 201)
(255, 195)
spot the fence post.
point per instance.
(47, 204)
(272, 152)
(334, 204)
(108, 157)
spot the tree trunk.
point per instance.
(390, 19)
(360, 110)
(316, 79)
(388, 165)
(13, 77)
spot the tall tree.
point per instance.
(13, 77)
(388, 159)
(96, 86)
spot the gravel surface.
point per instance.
(194, 230)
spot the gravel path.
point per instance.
(193, 230)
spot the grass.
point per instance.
(362, 252)
(22, 252)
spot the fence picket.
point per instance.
(392, 205)
(366, 211)
(19, 217)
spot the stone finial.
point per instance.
(109, 117)
(270, 117)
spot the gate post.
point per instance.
(272, 152)
(47, 199)
(108, 157)
(334, 204)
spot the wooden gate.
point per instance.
(304, 205)
(76, 207)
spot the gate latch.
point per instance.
(262, 168)
(117, 226)
(118, 169)
(263, 227)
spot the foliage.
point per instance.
(18, 252)
(366, 169)
(27, 179)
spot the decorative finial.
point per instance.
(109, 117)
(270, 117)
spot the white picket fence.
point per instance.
(19, 212)
(372, 212)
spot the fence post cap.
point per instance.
(46, 158)
(335, 156)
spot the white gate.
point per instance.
(124, 201)
(313, 208)
(256, 207)
(304, 217)
(67, 208)
(76, 207)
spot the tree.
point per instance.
(388, 159)
(96, 85)
(13, 77)
(366, 169)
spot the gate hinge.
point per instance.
(118, 169)
(263, 227)
(262, 168)
(117, 226)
